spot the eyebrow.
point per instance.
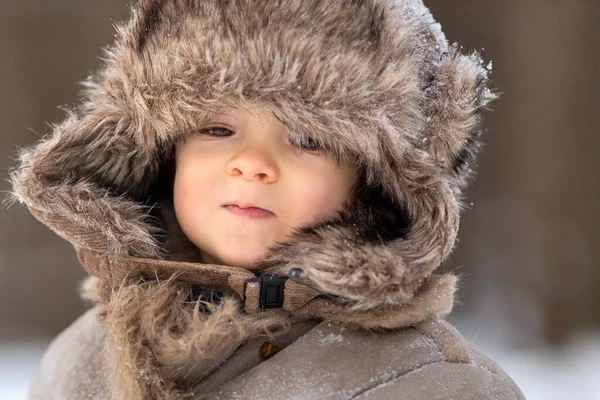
(217, 115)
(221, 114)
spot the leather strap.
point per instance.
(114, 271)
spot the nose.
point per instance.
(254, 163)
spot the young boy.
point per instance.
(261, 193)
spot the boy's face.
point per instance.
(245, 156)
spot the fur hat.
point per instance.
(372, 79)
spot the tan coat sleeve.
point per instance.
(72, 366)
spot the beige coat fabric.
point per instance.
(318, 360)
(350, 307)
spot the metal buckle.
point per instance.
(271, 290)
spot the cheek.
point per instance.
(189, 192)
(317, 198)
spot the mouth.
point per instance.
(247, 210)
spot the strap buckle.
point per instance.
(271, 290)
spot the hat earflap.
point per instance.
(457, 94)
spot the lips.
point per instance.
(248, 210)
(245, 205)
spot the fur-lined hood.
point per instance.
(372, 79)
(382, 83)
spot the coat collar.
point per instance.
(433, 300)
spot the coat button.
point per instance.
(268, 350)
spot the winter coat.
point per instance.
(347, 308)
(318, 360)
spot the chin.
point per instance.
(243, 261)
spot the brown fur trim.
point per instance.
(434, 299)
(51, 180)
(158, 339)
(160, 344)
(459, 93)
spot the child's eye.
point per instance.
(308, 144)
(211, 131)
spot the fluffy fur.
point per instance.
(374, 80)
(168, 341)
(160, 344)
